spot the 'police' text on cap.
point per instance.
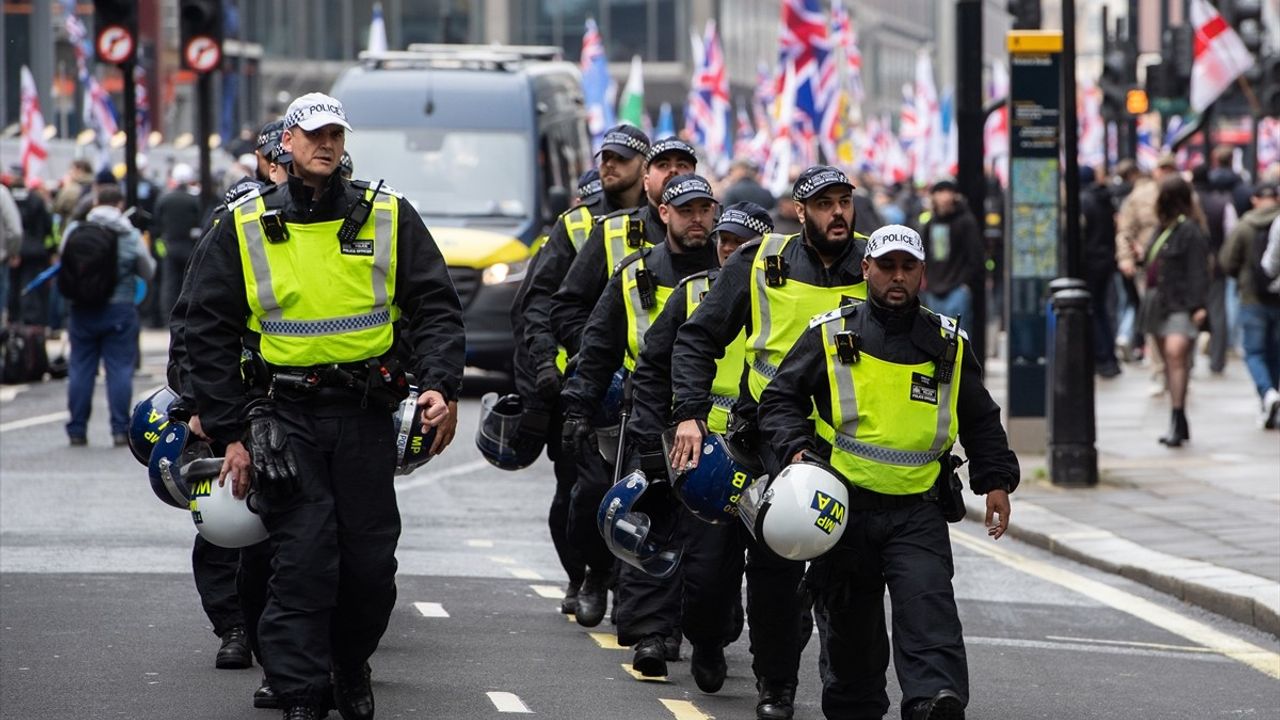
(315, 110)
(895, 237)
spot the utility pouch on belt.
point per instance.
(949, 488)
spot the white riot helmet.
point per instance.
(800, 514)
(220, 517)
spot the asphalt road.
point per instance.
(101, 620)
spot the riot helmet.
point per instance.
(608, 417)
(510, 437)
(801, 514)
(711, 490)
(149, 419)
(220, 517)
(176, 447)
(413, 446)
(640, 524)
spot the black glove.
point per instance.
(274, 466)
(575, 433)
(547, 382)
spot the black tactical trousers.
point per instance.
(594, 478)
(565, 467)
(332, 587)
(779, 619)
(214, 569)
(251, 585)
(909, 551)
(699, 597)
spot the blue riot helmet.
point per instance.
(607, 420)
(176, 447)
(150, 418)
(711, 490)
(413, 447)
(640, 522)
(510, 437)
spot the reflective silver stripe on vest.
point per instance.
(261, 268)
(764, 368)
(617, 244)
(382, 231)
(330, 326)
(773, 244)
(723, 401)
(844, 387)
(641, 314)
(949, 329)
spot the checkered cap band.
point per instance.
(625, 140)
(818, 181)
(737, 217)
(591, 188)
(670, 145)
(684, 187)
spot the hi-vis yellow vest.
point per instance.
(617, 245)
(727, 382)
(780, 313)
(890, 423)
(639, 318)
(577, 225)
(311, 303)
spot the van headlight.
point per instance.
(499, 273)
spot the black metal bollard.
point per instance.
(1073, 459)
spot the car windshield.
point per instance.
(449, 173)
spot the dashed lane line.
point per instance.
(430, 478)
(480, 543)
(524, 573)
(626, 667)
(1264, 661)
(508, 702)
(33, 421)
(502, 559)
(431, 610)
(684, 710)
(608, 641)
(551, 592)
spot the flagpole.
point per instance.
(130, 133)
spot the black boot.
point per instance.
(569, 605)
(650, 658)
(265, 696)
(234, 653)
(592, 599)
(775, 700)
(353, 693)
(946, 705)
(1178, 430)
(301, 712)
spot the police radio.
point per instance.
(644, 285)
(357, 216)
(273, 226)
(635, 233)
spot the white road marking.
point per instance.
(503, 559)
(1180, 652)
(33, 421)
(432, 610)
(1130, 643)
(480, 543)
(548, 591)
(508, 702)
(1264, 661)
(9, 392)
(430, 478)
(524, 573)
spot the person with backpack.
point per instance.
(1241, 258)
(103, 258)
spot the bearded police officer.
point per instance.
(702, 597)
(893, 385)
(769, 291)
(322, 277)
(540, 361)
(613, 338)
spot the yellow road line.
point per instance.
(608, 641)
(685, 710)
(636, 674)
(1264, 661)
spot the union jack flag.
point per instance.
(597, 86)
(805, 44)
(708, 110)
(846, 38)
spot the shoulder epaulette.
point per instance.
(632, 258)
(384, 190)
(254, 193)
(623, 211)
(838, 313)
(696, 276)
(946, 322)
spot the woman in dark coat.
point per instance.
(1174, 308)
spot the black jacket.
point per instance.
(802, 385)
(726, 310)
(586, 278)
(1182, 271)
(952, 249)
(604, 341)
(177, 214)
(1099, 230)
(218, 311)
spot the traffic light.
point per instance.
(1269, 98)
(200, 24)
(1114, 83)
(1026, 14)
(119, 20)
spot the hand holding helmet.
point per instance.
(547, 382)
(575, 434)
(273, 463)
(686, 443)
(435, 409)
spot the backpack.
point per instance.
(1265, 284)
(89, 264)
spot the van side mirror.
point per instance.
(557, 203)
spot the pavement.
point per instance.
(1200, 522)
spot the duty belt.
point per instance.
(863, 499)
(381, 380)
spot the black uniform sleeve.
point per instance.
(604, 342)
(217, 311)
(431, 321)
(178, 371)
(553, 263)
(702, 339)
(582, 286)
(992, 464)
(787, 402)
(651, 383)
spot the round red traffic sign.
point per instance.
(202, 53)
(115, 44)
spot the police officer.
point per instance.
(540, 361)
(893, 385)
(614, 337)
(305, 271)
(699, 596)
